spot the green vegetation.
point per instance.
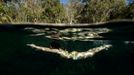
(48, 11)
(75, 11)
(103, 10)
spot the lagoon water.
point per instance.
(16, 58)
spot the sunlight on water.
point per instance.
(69, 34)
(129, 42)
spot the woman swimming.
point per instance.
(75, 55)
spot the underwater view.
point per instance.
(18, 58)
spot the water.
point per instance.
(16, 58)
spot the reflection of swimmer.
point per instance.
(55, 44)
(74, 55)
(55, 35)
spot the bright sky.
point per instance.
(130, 1)
(63, 1)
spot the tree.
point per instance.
(48, 11)
(4, 17)
(53, 11)
(102, 10)
(73, 9)
(128, 13)
(76, 11)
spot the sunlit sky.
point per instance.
(64, 1)
(130, 1)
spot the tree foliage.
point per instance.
(128, 13)
(48, 11)
(53, 11)
(102, 10)
(75, 11)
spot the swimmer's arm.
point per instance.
(74, 55)
(92, 52)
(43, 48)
(61, 52)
